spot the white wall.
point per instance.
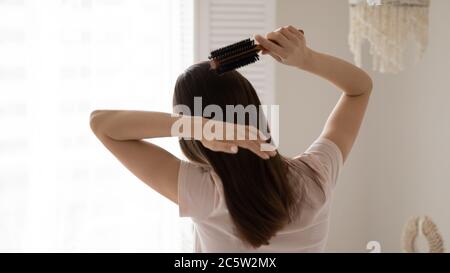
(399, 165)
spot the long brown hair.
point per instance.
(258, 194)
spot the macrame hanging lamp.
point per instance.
(388, 25)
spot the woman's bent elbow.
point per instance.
(95, 120)
(369, 85)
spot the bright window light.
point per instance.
(60, 189)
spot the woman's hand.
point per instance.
(287, 45)
(229, 137)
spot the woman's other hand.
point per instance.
(232, 137)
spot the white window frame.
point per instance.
(263, 79)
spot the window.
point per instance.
(61, 190)
(223, 22)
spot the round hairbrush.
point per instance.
(235, 55)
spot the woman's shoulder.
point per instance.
(323, 159)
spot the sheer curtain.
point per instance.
(60, 189)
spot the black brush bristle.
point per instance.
(218, 53)
(238, 63)
(234, 56)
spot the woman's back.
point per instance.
(201, 197)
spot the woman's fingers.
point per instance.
(270, 46)
(229, 147)
(244, 132)
(247, 137)
(221, 146)
(233, 147)
(297, 33)
(288, 34)
(286, 44)
(255, 134)
(279, 38)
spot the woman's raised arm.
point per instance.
(288, 46)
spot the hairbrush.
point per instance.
(235, 55)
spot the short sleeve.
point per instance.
(326, 158)
(196, 191)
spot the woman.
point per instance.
(241, 197)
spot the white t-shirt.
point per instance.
(201, 197)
